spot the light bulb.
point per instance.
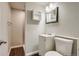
(47, 9)
(50, 5)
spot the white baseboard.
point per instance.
(9, 51)
(24, 47)
(27, 54)
(32, 53)
(16, 46)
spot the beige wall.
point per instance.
(33, 28)
(18, 18)
(5, 15)
(68, 21)
(67, 25)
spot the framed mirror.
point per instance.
(52, 16)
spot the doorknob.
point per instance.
(2, 42)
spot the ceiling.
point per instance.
(41, 3)
(18, 5)
(21, 5)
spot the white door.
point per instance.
(4, 16)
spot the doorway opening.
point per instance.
(16, 29)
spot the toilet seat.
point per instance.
(53, 53)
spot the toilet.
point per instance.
(63, 47)
(53, 53)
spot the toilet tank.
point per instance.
(46, 43)
(64, 46)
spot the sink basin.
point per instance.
(47, 35)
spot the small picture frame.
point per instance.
(52, 16)
(36, 15)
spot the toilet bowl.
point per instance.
(63, 48)
(53, 53)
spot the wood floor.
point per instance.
(17, 51)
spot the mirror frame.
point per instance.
(56, 9)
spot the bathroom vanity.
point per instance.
(46, 43)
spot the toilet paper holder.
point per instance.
(2, 42)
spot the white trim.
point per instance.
(67, 37)
(16, 46)
(9, 51)
(24, 47)
(32, 53)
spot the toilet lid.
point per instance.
(52, 53)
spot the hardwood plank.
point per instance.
(19, 51)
